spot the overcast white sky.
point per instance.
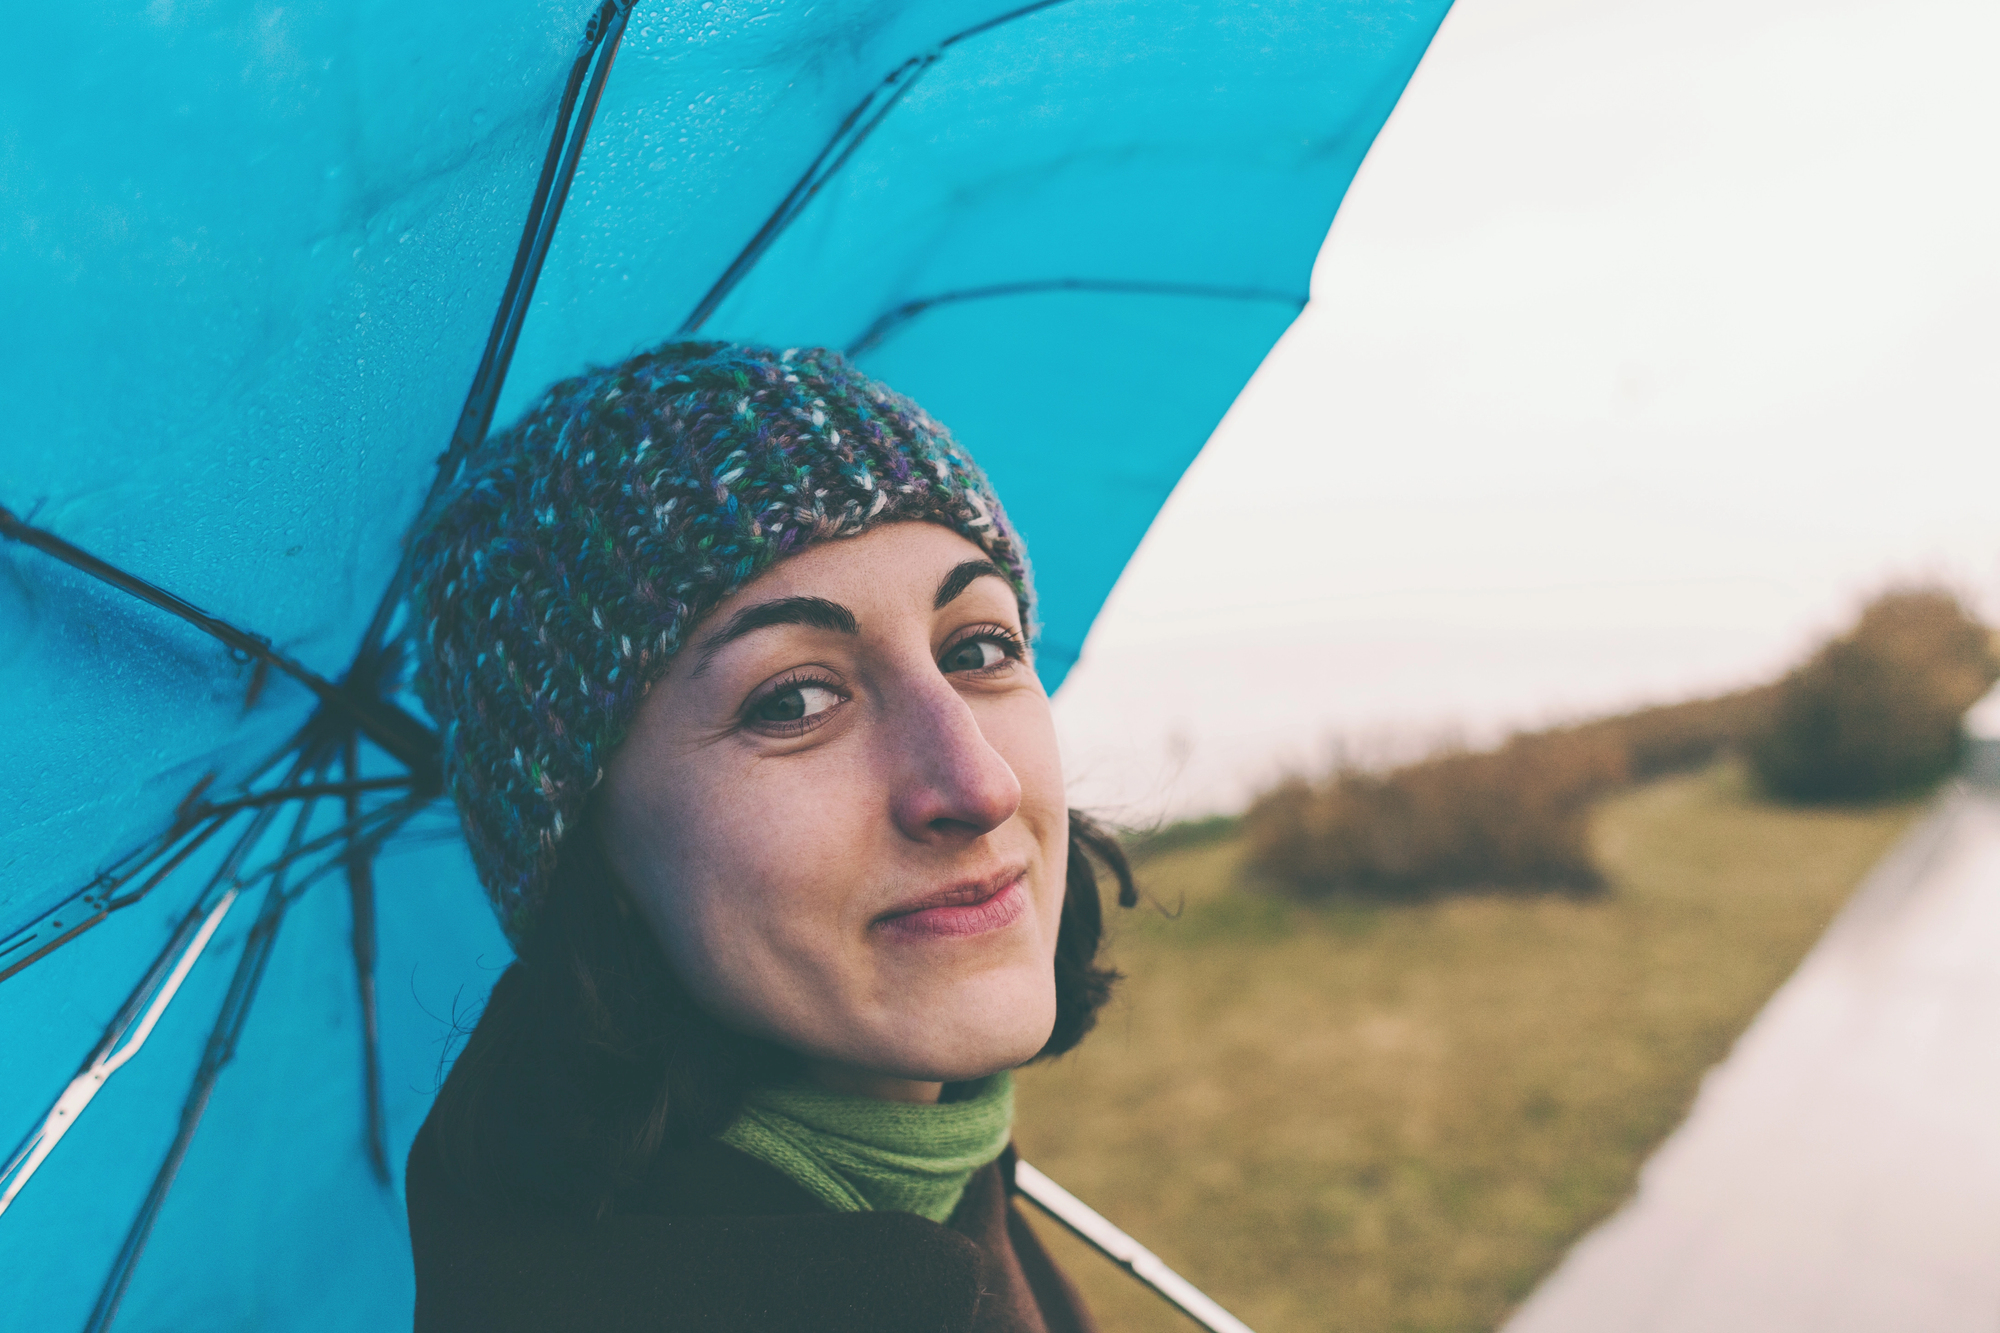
(1649, 339)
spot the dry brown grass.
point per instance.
(1398, 1117)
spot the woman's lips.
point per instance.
(962, 913)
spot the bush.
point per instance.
(1678, 738)
(1876, 712)
(1516, 817)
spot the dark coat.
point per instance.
(727, 1244)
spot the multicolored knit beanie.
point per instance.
(575, 553)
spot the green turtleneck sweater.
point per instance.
(857, 1154)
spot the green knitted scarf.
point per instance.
(857, 1154)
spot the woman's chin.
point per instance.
(979, 1030)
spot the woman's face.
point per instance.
(842, 814)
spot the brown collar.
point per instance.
(706, 1255)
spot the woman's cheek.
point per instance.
(782, 888)
(1023, 731)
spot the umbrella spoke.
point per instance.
(89, 905)
(357, 837)
(221, 1047)
(367, 831)
(310, 791)
(594, 55)
(129, 1028)
(413, 744)
(191, 830)
(360, 864)
(852, 133)
(574, 114)
(134, 1022)
(890, 321)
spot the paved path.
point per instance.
(1840, 1171)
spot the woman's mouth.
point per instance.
(961, 910)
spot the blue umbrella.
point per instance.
(252, 259)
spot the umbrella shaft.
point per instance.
(1122, 1250)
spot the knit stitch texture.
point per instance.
(859, 1154)
(574, 554)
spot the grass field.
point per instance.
(1397, 1118)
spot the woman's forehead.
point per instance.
(892, 563)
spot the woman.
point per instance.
(731, 652)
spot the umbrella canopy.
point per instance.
(251, 259)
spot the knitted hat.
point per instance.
(574, 554)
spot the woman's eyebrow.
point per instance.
(961, 578)
(812, 612)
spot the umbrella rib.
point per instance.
(413, 744)
(97, 900)
(360, 864)
(605, 31)
(391, 819)
(574, 115)
(136, 1018)
(477, 412)
(839, 149)
(101, 897)
(310, 791)
(372, 826)
(996, 21)
(891, 320)
(41, 1141)
(221, 1047)
(129, 1028)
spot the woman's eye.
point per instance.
(972, 655)
(795, 703)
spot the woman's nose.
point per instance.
(950, 782)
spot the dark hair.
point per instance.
(591, 1057)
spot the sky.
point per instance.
(1648, 342)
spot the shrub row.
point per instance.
(1874, 713)
(1512, 817)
